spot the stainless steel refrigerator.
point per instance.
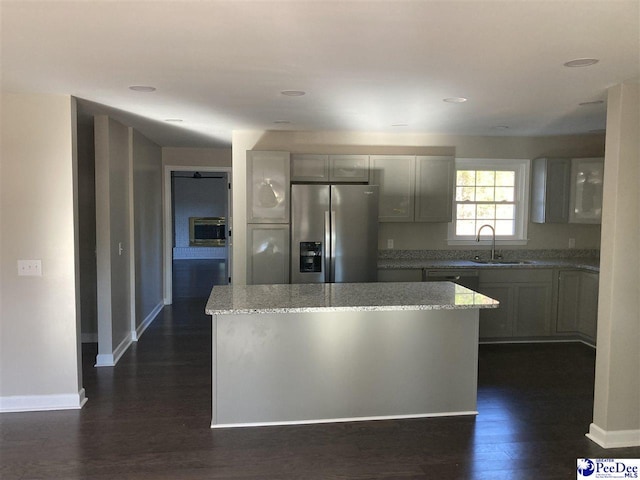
(334, 233)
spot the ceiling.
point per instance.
(375, 66)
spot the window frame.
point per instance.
(522, 169)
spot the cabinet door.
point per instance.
(586, 190)
(434, 188)
(588, 304)
(268, 187)
(550, 190)
(395, 176)
(568, 297)
(267, 254)
(349, 168)
(533, 309)
(497, 322)
(400, 275)
(310, 168)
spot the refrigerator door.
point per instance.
(309, 243)
(354, 217)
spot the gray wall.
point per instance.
(39, 322)
(147, 228)
(113, 236)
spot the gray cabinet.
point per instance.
(550, 190)
(309, 168)
(400, 275)
(348, 168)
(329, 168)
(268, 186)
(525, 297)
(414, 189)
(395, 174)
(587, 176)
(434, 188)
(578, 303)
(267, 254)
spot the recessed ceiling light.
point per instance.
(581, 62)
(282, 122)
(142, 88)
(454, 100)
(293, 93)
(399, 124)
(595, 102)
(173, 120)
(500, 127)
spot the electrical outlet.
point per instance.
(390, 243)
(572, 243)
(31, 268)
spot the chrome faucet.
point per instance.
(493, 241)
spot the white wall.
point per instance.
(414, 236)
(616, 414)
(40, 362)
(147, 230)
(196, 157)
(113, 239)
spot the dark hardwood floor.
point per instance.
(194, 278)
(148, 418)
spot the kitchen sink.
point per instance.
(503, 262)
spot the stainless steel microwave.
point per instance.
(207, 231)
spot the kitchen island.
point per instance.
(310, 353)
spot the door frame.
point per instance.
(167, 224)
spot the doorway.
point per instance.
(197, 230)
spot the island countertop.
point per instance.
(337, 297)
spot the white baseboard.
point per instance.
(38, 403)
(110, 359)
(614, 438)
(89, 338)
(340, 420)
(135, 335)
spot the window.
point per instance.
(490, 192)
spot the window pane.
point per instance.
(505, 212)
(466, 211)
(465, 194)
(484, 194)
(485, 178)
(504, 227)
(466, 177)
(465, 227)
(505, 179)
(486, 233)
(486, 212)
(504, 194)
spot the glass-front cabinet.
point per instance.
(586, 190)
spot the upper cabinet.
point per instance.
(434, 188)
(395, 174)
(550, 181)
(586, 190)
(348, 168)
(329, 168)
(412, 188)
(566, 190)
(268, 185)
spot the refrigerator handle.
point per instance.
(334, 224)
(327, 247)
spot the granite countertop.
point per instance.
(588, 264)
(327, 297)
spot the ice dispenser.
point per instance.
(310, 257)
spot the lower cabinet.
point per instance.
(525, 297)
(577, 303)
(267, 253)
(400, 275)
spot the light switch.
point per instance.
(390, 243)
(572, 243)
(31, 268)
